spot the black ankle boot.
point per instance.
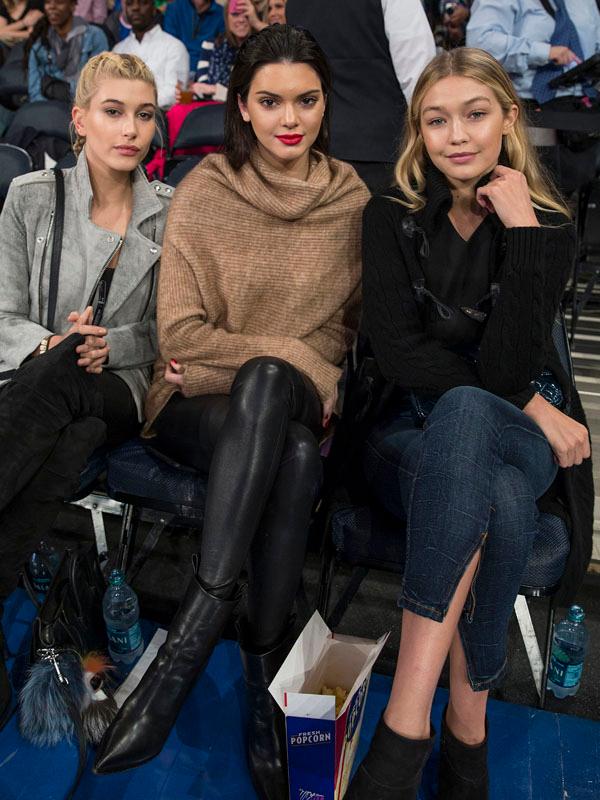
(267, 754)
(144, 722)
(5, 688)
(392, 768)
(463, 768)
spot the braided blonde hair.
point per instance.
(470, 62)
(105, 66)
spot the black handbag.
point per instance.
(70, 617)
(56, 89)
(56, 700)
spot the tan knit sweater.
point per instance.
(256, 263)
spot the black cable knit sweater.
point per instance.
(533, 265)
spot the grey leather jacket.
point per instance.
(26, 230)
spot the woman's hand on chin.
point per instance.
(507, 195)
(174, 373)
(569, 440)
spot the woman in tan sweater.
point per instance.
(258, 303)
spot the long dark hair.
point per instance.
(273, 45)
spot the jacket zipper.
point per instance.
(106, 263)
(42, 265)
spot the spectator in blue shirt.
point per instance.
(214, 81)
(518, 33)
(194, 22)
(59, 47)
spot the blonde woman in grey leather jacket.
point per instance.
(71, 386)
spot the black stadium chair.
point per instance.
(50, 117)
(366, 537)
(181, 168)
(169, 494)
(67, 161)
(161, 134)
(13, 82)
(14, 161)
(204, 126)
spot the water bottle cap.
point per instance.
(576, 614)
(116, 577)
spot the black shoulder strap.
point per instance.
(59, 218)
(548, 8)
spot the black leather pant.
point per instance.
(53, 414)
(259, 448)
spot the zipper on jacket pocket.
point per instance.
(42, 264)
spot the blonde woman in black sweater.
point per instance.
(465, 263)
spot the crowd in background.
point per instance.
(249, 356)
(190, 47)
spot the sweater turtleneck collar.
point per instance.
(279, 195)
(438, 195)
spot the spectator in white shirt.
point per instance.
(377, 50)
(166, 56)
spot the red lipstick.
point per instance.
(291, 139)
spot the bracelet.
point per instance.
(44, 345)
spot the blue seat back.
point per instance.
(139, 475)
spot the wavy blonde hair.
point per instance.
(102, 67)
(470, 62)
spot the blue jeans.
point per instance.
(465, 482)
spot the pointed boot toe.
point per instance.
(142, 726)
(117, 753)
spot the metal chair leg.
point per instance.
(358, 575)
(326, 579)
(547, 651)
(127, 538)
(148, 546)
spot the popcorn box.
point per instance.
(321, 744)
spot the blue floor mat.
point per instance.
(534, 755)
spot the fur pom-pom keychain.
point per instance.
(100, 707)
(53, 692)
(63, 694)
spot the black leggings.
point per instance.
(53, 414)
(259, 448)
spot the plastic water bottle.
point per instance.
(121, 614)
(569, 646)
(42, 566)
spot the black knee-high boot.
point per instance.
(267, 752)
(142, 725)
(392, 768)
(46, 394)
(31, 514)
